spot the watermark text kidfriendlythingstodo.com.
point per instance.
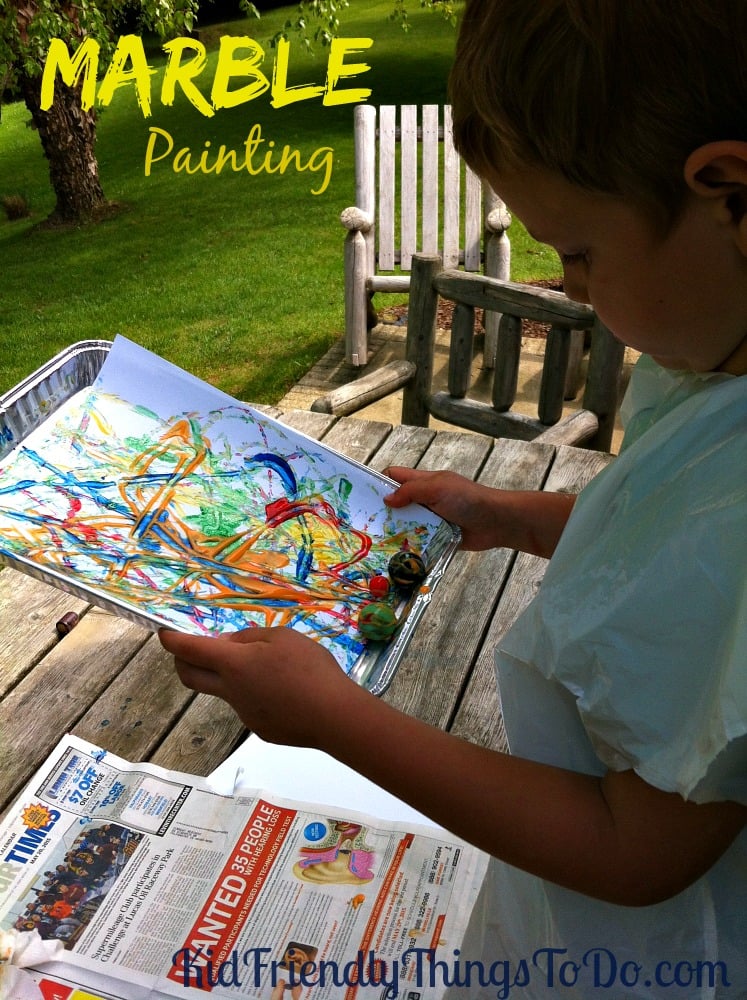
(552, 968)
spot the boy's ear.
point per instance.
(718, 172)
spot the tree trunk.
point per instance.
(68, 138)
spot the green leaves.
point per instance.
(315, 22)
(26, 29)
(318, 21)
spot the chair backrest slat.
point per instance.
(408, 184)
(365, 160)
(452, 192)
(387, 178)
(430, 173)
(472, 222)
(414, 194)
(410, 217)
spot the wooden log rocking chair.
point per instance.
(413, 193)
(569, 322)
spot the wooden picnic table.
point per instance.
(110, 682)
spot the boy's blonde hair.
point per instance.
(611, 94)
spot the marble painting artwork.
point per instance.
(198, 511)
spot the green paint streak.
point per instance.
(220, 520)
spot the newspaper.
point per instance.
(158, 884)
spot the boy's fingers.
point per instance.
(397, 499)
(410, 481)
(401, 473)
(208, 652)
(197, 679)
(176, 643)
(248, 635)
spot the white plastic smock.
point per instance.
(634, 655)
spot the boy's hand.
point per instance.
(281, 684)
(527, 520)
(457, 499)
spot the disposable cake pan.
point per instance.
(36, 400)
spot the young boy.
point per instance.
(618, 133)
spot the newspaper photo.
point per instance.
(145, 882)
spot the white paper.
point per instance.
(309, 775)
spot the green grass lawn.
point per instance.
(237, 278)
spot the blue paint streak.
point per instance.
(279, 465)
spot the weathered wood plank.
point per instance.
(579, 426)
(135, 712)
(356, 438)
(29, 610)
(497, 263)
(388, 283)
(51, 699)
(552, 387)
(202, 738)
(364, 134)
(356, 267)
(478, 717)
(404, 446)
(457, 450)
(518, 465)
(315, 425)
(603, 382)
(573, 376)
(482, 418)
(573, 468)
(439, 659)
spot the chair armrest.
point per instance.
(355, 219)
(377, 384)
(578, 427)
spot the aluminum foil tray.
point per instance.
(36, 399)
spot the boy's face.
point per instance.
(681, 298)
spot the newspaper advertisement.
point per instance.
(158, 885)
(53, 987)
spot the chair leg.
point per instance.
(552, 387)
(372, 317)
(603, 383)
(573, 378)
(421, 338)
(508, 359)
(356, 299)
